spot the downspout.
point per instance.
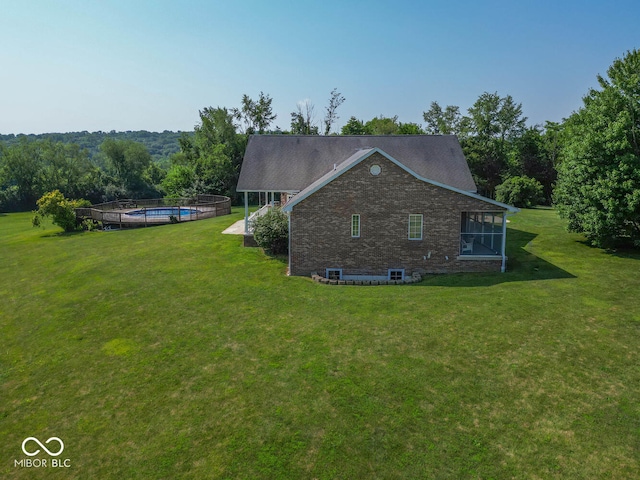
(289, 252)
(246, 212)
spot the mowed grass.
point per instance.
(174, 352)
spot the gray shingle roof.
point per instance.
(363, 154)
(290, 163)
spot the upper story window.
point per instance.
(355, 226)
(415, 226)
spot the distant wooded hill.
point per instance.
(159, 144)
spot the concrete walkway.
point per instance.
(236, 229)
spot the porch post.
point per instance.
(503, 268)
(246, 212)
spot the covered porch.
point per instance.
(483, 235)
(266, 200)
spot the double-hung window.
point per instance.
(415, 226)
(355, 226)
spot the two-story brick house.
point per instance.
(378, 207)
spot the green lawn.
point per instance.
(174, 352)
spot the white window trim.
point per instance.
(421, 226)
(339, 270)
(359, 225)
(401, 270)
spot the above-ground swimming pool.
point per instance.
(164, 212)
(155, 211)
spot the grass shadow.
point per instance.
(282, 258)
(624, 251)
(62, 234)
(522, 265)
(630, 253)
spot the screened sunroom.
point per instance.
(482, 233)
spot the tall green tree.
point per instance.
(216, 127)
(410, 129)
(178, 182)
(128, 161)
(383, 125)
(495, 117)
(256, 115)
(67, 168)
(443, 122)
(22, 174)
(533, 154)
(598, 189)
(211, 157)
(494, 122)
(354, 127)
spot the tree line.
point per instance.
(588, 165)
(507, 158)
(161, 145)
(31, 168)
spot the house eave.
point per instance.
(341, 168)
(279, 190)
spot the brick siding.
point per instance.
(321, 225)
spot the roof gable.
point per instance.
(361, 155)
(290, 163)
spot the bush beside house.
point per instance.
(271, 231)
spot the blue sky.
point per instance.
(72, 65)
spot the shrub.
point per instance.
(525, 192)
(60, 209)
(271, 231)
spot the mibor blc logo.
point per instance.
(53, 447)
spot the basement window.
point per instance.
(395, 274)
(334, 273)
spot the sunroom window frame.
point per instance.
(496, 236)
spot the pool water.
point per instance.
(164, 212)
